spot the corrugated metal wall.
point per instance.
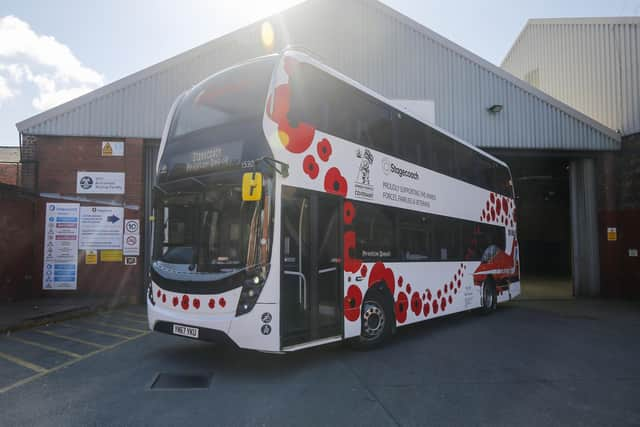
(370, 43)
(592, 64)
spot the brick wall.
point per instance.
(59, 160)
(9, 173)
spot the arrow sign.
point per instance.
(113, 219)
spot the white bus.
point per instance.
(294, 207)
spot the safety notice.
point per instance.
(61, 247)
(101, 227)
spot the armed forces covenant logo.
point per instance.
(363, 187)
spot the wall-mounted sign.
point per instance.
(112, 148)
(100, 183)
(131, 239)
(130, 260)
(633, 252)
(612, 234)
(91, 257)
(101, 227)
(111, 255)
(61, 247)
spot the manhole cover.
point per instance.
(164, 381)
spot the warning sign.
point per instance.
(131, 238)
(91, 257)
(111, 255)
(112, 148)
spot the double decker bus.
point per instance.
(294, 207)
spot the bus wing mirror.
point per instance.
(251, 186)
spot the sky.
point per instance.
(54, 51)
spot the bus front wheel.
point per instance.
(489, 296)
(377, 321)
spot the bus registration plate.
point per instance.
(185, 331)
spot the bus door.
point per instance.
(310, 296)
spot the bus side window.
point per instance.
(415, 231)
(447, 244)
(311, 96)
(440, 152)
(410, 140)
(375, 232)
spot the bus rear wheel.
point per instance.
(489, 297)
(376, 321)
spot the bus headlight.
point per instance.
(251, 288)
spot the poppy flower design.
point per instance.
(416, 303)
(185, 302)
(164, 298)
(295, 139)
(174, 301)
(212, 303)
(222, 302)
(196, 303)
(324, 149)
(426, 309)
(402, 305)
(352, 303)
(335, 183)
(363, 270)
(381, 273)
(349, 213)
(443, 304)
(434, 306)
(351, 265)
(310, 167)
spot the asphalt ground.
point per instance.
(530, 363)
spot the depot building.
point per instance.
(98, 152)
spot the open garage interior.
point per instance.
(544, 225)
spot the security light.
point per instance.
(495, 108)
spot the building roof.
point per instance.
(373, 44)
(590, 64)
(10, 154)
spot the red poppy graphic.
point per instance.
(310, 167)
(402, 305)
(295, 139)
(352, 265)
(164, 298)
(349, 213)
(175, 301)
(408, 288)
(492, 197)
(352, 303)
(335, 183)
(434, 306)
(498, 208)
(324, 149)
(426, 309)
(222, 302)
(439, 293)
(416, 303)
(159, 293)
(505, 206)
(381, 273)
(459, 284)
(429, 295)
(212, 303)
(185, 302)
(196, 303)
(443, 304)
(363, 270)
(400, 281)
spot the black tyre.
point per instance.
(376, 321)
(489, 296)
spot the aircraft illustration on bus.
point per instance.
(294, 207)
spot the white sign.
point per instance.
(101, 227)
(131, 240)
(112, 148)
(61, 247)
(100, 183)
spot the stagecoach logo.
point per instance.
(86, 182)
(363, 187)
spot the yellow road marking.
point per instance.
(97, 331)
(44, 346)
(140, 316)
(22, 363)
(81, 341)
(67, 363)
(115, 325)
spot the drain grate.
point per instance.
(165, 381)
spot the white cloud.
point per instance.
(5, 91)
(57, 74)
